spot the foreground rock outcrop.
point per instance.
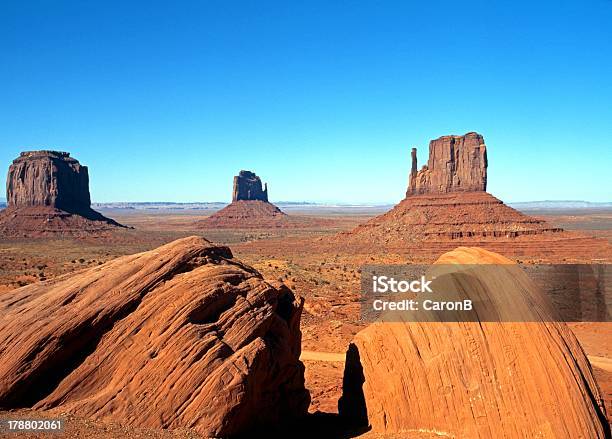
(475, 379)
(180, 336)
(455, 164)
(47, 192)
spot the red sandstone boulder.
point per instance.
(180, 336)
(475, 379)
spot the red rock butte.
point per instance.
(47, 193)
(247, 187)
(250, 209)
(446, 204)
(455, 164)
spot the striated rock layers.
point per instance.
(247, 186)
(247, 214)
(455, 164)
(451, 216)
(475, 379)
(180, 336)
(47, 192)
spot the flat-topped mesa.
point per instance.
(48, 178)
(247, 186)
(47, 194)
(455, 164)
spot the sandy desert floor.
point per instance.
(327, 277)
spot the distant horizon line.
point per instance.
(348, 203)
(333, 202)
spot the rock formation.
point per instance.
(47, 192)
(250, 209)
(452, 216)
(446, 205)
(180, 336)
(48, 178)
(455, 164)
(247, 214)
(475, 379)
(247, 186)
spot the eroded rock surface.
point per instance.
(180, 336)
(475, 379)
(452, 216)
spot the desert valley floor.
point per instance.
(326, 275)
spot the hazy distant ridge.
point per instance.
(560, 204)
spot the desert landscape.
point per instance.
(320, 219)
(198, 321)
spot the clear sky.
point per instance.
(322, 99)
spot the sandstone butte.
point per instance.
(47, 193)
(250, 209)
(447, 204)
(475, 379)
(455, 164)
(180, 336)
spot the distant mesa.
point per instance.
(250, 208)
(247, 187)
(447, 204)
(47, 193)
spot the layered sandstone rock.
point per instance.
(180, 336)
(475, 379)
(247, 186)
(48, 193)
(452, 216)
(455, 164)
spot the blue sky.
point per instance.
(322, 99)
